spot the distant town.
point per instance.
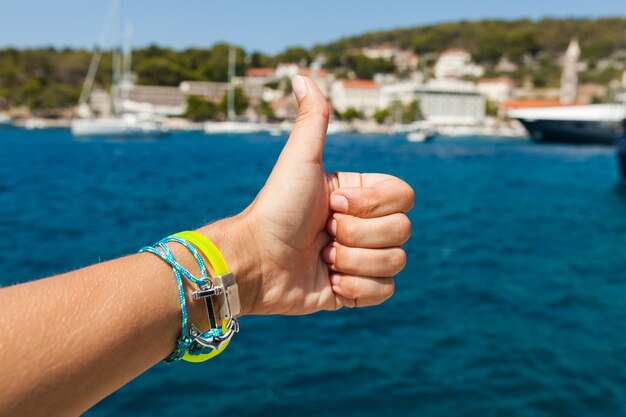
(377, 85)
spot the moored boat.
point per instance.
(120, 123)
(592, 124)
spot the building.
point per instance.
(498, 89)
(405, 61)
(260, 76)
(457, 63)
(164, 101)
(445, 103)
(382, 51)
(362, 95)
(569, 78)
(506, 65)
(213, 91)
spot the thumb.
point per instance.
(306, 142)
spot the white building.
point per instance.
(362, 95)
(383, 51)
(403, 59)
(213, 91)
(457, 63)
(152, 99)
(441, 102)
(498, 89)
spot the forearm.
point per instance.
(88, 332)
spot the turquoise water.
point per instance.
(513, 302)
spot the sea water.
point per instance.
(513, 301)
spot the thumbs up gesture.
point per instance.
(313, 240)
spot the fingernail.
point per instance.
(299, 87)
(334, 279)
(330, 254)
(333, 227)
(339, 203)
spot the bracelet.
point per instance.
(220, 291)
(194, 345)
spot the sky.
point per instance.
(264, 25)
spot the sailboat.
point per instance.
(120, 123)
(231, 126)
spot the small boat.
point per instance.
(419, 131)
(420, 136)
(6, 121)
(592, 124)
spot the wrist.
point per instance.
(233, 237)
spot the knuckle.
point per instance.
(398, 260)
(371, 205)
(409, 196)
(314, 109)
(389, 287)
(344, 259)
(404, 228)
(349, 286)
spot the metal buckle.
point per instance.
(224, 291)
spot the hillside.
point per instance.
(45, 79)
(488, 40)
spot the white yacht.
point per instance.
(594, 123)
(120, 123)
(123, 125)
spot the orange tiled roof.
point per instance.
(362, 84)
(534, 102)
(260, 72)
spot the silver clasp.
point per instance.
(222, 290)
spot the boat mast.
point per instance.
(126, 75)
(117, 56)
(85, 93)
(232, 57)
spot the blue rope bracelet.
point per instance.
(160, 249)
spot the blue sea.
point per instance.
(513, 302)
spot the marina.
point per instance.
(421, 204)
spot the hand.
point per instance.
(313, 240)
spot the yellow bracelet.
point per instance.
(231, 296)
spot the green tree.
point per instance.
(381, 116)
(365, 67)
(411, 112)
(264, 110)
(199, 109)
(351, 114)
(491, 108)
(241, 102)
(294, 54)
